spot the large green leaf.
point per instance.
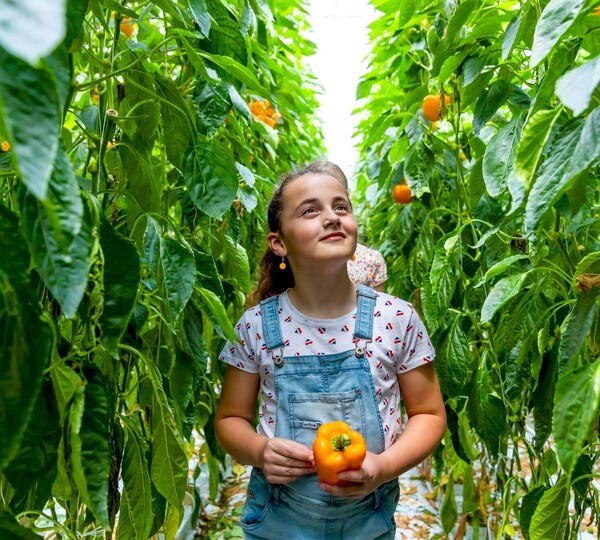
(201, 15)
(551, 516)
(543, 398)
(212, 105)
(572, 150)
(577, 326)
(489, 102)
(453, 361)
(499, 159)
(172, 264)
(25, 341)
(528, 505)
(486, 411)
(214, 309)
(135, 514)
(576, 87)
(33, 470)
(211, 176)
(556, 19)
(418, 167)
(536, 133)
(501, 293)
(449, 511)
(31, 29)
(96, 454)
(575, 409)
(178, 124)
(60, 246)
(169, 463)
(121, 280)
(29, 109)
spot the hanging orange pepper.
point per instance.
(338, 448)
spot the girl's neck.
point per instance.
(324, 298)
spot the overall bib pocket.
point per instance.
(308, 411)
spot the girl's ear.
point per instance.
(276, 244)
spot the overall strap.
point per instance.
(270, 324)
(367, 298)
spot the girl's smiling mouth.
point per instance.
(334, 236)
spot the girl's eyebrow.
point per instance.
(316, 201)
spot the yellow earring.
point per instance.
(282, 265)
(353, 258)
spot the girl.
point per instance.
(319, 348)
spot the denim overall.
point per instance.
(312, 390)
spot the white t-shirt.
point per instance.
(400, 343)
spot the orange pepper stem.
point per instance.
(339, 442)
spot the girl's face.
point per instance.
(317, 223)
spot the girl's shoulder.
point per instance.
(390, 301)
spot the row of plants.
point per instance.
(487, 112)
(140, 141)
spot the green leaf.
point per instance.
(235, 262)
(178, 124)
(214, 309)
(208, 276)
(33, 470)
(121, 280)
(76, 10)
(212, 105)
(418, 167)
(575, 409)
(486, 411)
(32, 29)
(576, 87)
(551, 517)
(94, 434)
(201, 15)
(510, 36)
(500, 294)
(30, 111)
(236, 70)
(501, 266)
(554, 22)
(60, 246)
(577, 326)
(489, 102)
(536, 133)
(590, 264)
(453, 362)
(11, 530)
(449, 511)
(226, 38)
(543, 398)
(135, 513)
(190, 337)
(499, 159)
(26, 341)
(169, 464)
(172, 264)
(528, 505)
(572, 150)
(210, 174)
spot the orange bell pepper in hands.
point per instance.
(338, 448)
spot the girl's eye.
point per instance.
(308, 211)
(341, 208)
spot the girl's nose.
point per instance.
(331, 218)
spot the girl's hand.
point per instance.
(364, 480)
(284, 460)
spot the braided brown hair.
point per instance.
(272, 280)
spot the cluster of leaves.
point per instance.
(136, 172)
(499, 249)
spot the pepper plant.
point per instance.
(499, 249)
(133, 180)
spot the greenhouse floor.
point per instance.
(418, 515)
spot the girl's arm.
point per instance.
(425, 429)
(282, 460)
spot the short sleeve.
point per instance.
(243, 353)
(417, 347)
(379, 269)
